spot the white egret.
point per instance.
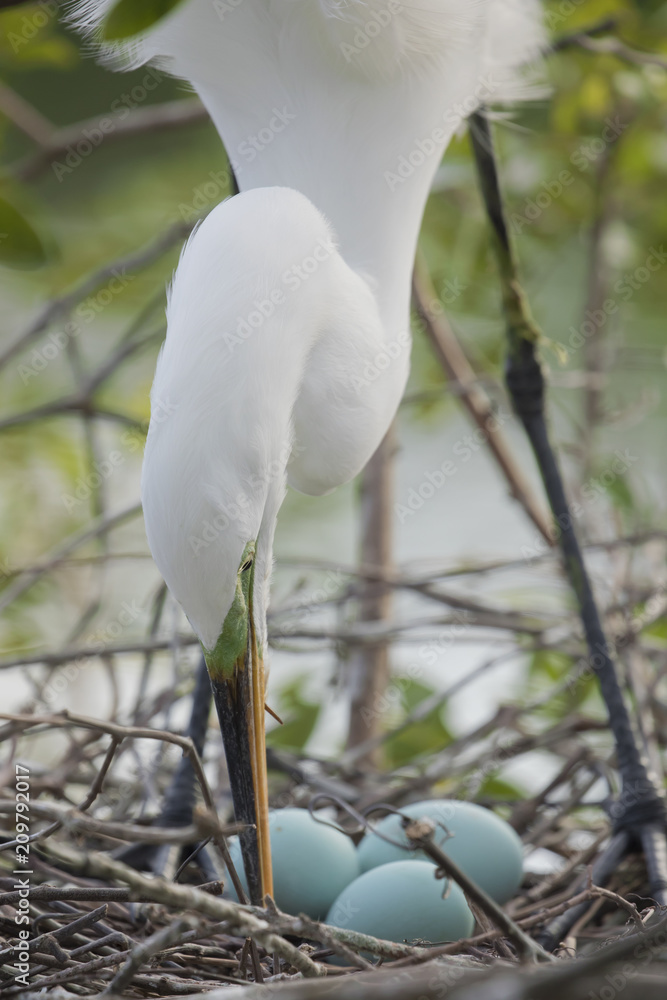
(288, 339)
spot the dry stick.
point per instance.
(95, 790)
(50, 893)
(81, 401)
(369, 666)
(27, 118)
(72, 972)
(133, 261)
(641, 804)
(90, 652)
(66, 931)
(573, 979)
(525, 811)
(72, 819)
(455, 947)
(156, 943)
(66, 719)
(614, 46)
(458, 370)
(241, 918)
(68, 406)
(140, 121)
(398, 579)
(638, 675)
(552, 882)
(30, 576)
(625, 904)
(420, 834)
(367, 634)
(421, 711)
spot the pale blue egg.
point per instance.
(403, 901)
(312, 862)
(483, 845)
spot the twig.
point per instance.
(238, 917)
(420, 834)
(368, 666)
(459, 371)
(26, 117)
(142, 953)
(139, 121)
(131, 262)
(29, 577)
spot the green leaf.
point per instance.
(620, 493)
(550, 663)
(300, 715)
(500, 789)
(30, 36)
(424, 737)
(657, 629)
(131, 17)
(20, 246)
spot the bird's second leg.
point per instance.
(638, 815)
(179, 801)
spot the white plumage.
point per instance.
(335, 115)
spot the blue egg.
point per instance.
(312, 863)
(483, 845)
(403, 901)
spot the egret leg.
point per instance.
(639, 814)
(179, 801)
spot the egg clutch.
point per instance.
(384, 889)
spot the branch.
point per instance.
(460, 373)
(133, 261)
(100, 526)
(420, 834)
(141, 121)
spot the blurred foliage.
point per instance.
(101, 200)
(20, 246)
(417, 739)
(130, 17)
(299, 717)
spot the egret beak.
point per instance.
(236, 669)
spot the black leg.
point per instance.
(179, 801)
(639, 815)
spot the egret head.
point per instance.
(215, 555)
